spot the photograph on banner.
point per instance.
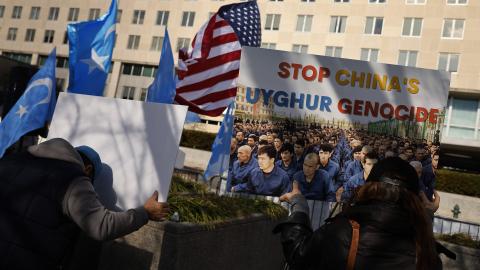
(341, 114)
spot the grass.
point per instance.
(460, 239)
(197, 139)
(195, 205)
(458, 182)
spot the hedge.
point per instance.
(458, 182)
(460, 239)
(197, 139)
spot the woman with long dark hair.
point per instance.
(385, 226)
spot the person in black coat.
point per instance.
(394, 230)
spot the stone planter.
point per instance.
(238, 244)
(467, 258)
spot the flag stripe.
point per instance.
(218, 86)
(212, 96)
(213, 62)
(197, 78)
(232, 46)
(209, 83)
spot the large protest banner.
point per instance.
(398, 100)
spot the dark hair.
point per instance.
(371, 155)
(253, 136)
(395, 180)
(263, 142)
(436, 153)
(326, 147)
(86, 162)
(357, 149)
(269, 150)
(287, 147)
(300, 142)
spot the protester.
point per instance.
(252, 142)
(242, 167)
(268, 179)
(345, 193)
(240, 138)
(287, 162)
(330, 166)
(386, 227)
(48, 197)
(313, 183)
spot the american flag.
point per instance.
(208, 72)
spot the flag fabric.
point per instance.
(162, 89)
(192, 118)
(34, 108)
(91, 46)
(220, 158)
(208, 72)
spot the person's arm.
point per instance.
(81, 204)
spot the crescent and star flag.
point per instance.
(34, 108)
(91, 46)
(208, 72)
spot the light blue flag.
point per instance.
(33, 108)
(163, 88)
(192, 118)
(219, 161)
(91, 47)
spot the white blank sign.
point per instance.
(137, 142)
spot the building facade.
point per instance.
(432, 34)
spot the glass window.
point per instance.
(73, 14)
(272, 22)
(156, 44)
(464, 112)
(188, 18)
(162, 17)
(147, 71)
(304, 23)
(453, 28)
(412, 27)
(119, 15)
(183, 43)
(377, 1)
(2, 10)
(300, 48)
(367, 54)
(457, 2)
(62, 62)
(137, 70)
(416, 2)
(374, 25)
(448, 61)
(12, 33)
(341, 1)
(49, 35)
(333, 51)
(133, 42)
(65, 38)
(17, 12)
(127, 69)
(407, 58)
(30, 35)
(34, 13)
(267, 45)
(53, 13)
(93, 14)
(338, 24)
(128, 92)
(138, 16)
(143, 94)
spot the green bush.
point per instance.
(458, 182)
(195, 205)
(460, 239)
(197, 139)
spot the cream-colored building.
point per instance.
(433, 34)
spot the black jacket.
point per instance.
(386, 239)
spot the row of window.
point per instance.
(452, 28)
(463, 119)
(446, 61)
(417, 2)
(53, 13)
(130, 92)
(156, 45)
(30, 33)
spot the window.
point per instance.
(188, 18)
(162, 17)
(416, 2)
(143, 94)
(30, 35)
(453, 28)
(138, 16)
(457, 2)
(17, 12)
(12, 33)
(22, 57)
(73, 14)
(448, 61)
(272, 22)
(49, 35)
(369, 55)
(276, 0)
(62, 62)
(34, 13)
(60, 82)
(65, 38)
(119, 15)
(299, 48)
(53, 13)
(156, 44)
(183, 43)
(333, 51)
(308, 1)
(41, 60)
(462, 122)
(304, 23)
(133, 42)
(268, 45)
(338, 24)
(374, 25)
(377, 1)
(2, 10)
(139, 70)
(341, 1)
(93, 14)
(407, 58)
(128, 92)
(412, 27)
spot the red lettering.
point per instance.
(312, 76)
(324, 73)
(397, 113)
(284, 70)
(390, 110)
(347, 109)
(357, 107)
(433, 116)
(296, 67)
(421, 115)
(369, 109)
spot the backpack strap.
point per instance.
(352, 253)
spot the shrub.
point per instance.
(197, 139)
(459, 239)
(458, 182)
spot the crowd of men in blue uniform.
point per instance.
(324, 163)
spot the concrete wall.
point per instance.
(469, 207)
(467, 258)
